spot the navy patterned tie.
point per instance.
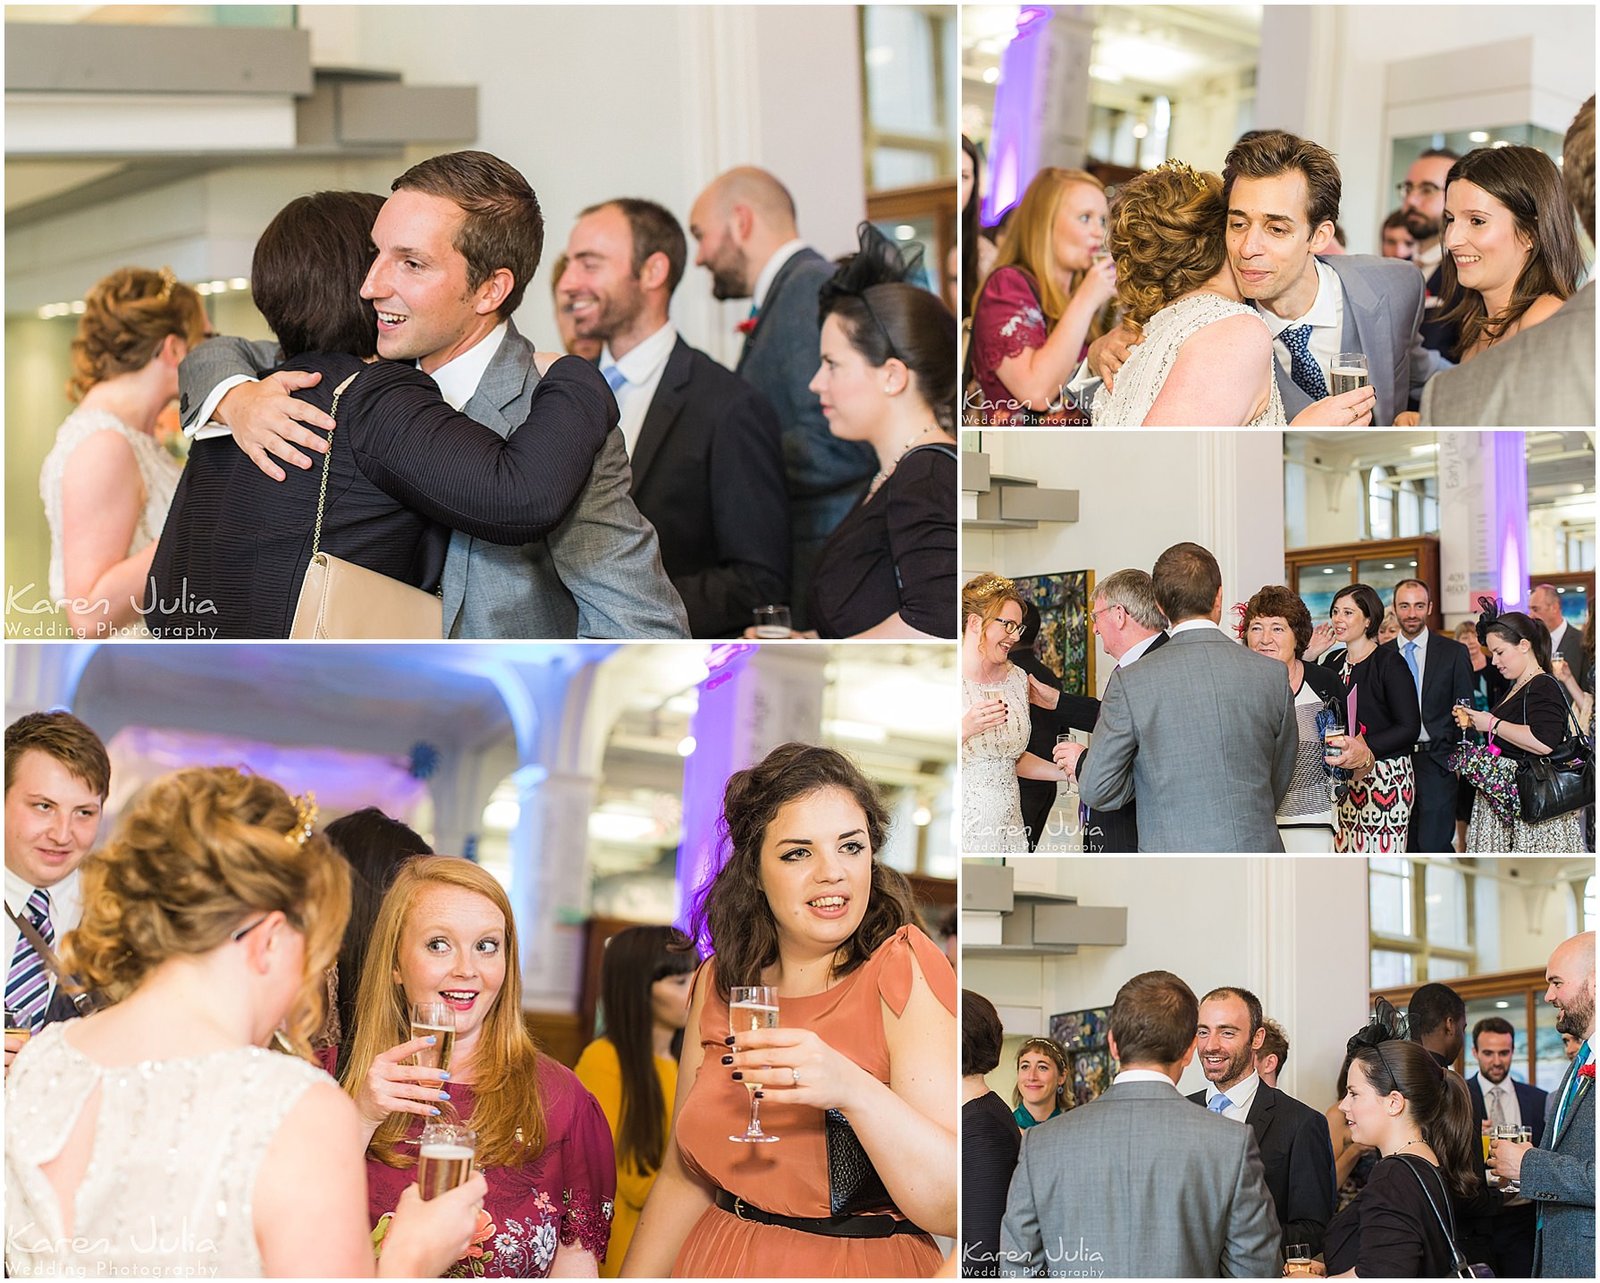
(1303, 367)
(28, 981)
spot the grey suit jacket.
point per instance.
(1203, 732)
(598, 574)
(1542, 378)
(1383, 305)
(1559, 1177)
(1139, 1184)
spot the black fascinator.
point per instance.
(1488, 612)
(878, 261)
(1386, 1025)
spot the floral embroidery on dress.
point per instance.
(586, 1222)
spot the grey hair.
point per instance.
(1136, 594)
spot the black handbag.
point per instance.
(854, 1185)
(1560, 782)
(1459, 1268)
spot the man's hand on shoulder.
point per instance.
(266, 419)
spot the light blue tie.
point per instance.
(1219, 1102)
(1303, 367)
(614, 378)
(1411, 663)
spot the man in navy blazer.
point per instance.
(744, 225)
(704, 445)
(1499, 1098)
(1282, 197)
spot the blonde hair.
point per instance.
(507, 1112)
(1029, 242)
(986, 596)
(197, 852)
(127, 316)
(1168, 233)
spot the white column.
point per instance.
(550, 892)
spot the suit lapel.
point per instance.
(799, 256)
(663, 412)
(1261, 1113)
(1571, 1111)
(1368, 329)
(503, 382)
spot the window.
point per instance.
(1421, 921)
(1389, 891)
(1380, 504)
(905, 50)
(1588, 903)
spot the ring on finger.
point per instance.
(794, 1073)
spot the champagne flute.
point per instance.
(752, 1007)
(438, 1020)
(447, 1152)
(1463, 716)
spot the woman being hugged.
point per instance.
(1044, 301)
(633, 1069)
(445, 934)
(106, 483)
(159, 1136)
(862, 1061)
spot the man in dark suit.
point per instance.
(1293, 1138)
(744, 224)
(1441, 669)
(1544, 604)
(1500, 1099)
(57, 777)
(704, 445)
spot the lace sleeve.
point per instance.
(589, 1178)
(1008, 319)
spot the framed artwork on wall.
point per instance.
(1065, 644)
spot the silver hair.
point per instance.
(1136, 594)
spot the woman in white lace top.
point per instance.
(106, 483)
(160, 1136)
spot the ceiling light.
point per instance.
(1388, 565)
(239, 283)
(686, 746)
(1327, 570)
(502, 814)
(1478, 136)
(218, 287)
(905, 232)
(616, 826)
(922, 817)
(1141, 130)
(991, 75)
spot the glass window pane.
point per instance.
(1390, 968)
(1447, 908)
(1317, 584)
(1512, 1008)
(1383, 573)
(1380, 506)
(1446, 968)
(1389, 895)
(1588, 904)
(1551, 1063)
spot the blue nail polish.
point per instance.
(445, 1074)
(444, 1095)
(434, 1112)
(431, 1040)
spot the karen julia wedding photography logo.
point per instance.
(1061, 1260)
(31, 614)
(149, 1251)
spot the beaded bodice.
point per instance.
(177, 1147)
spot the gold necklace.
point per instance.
(883, 474)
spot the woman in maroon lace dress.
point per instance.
(445, 934)
(1044, 301)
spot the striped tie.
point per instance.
(28, 981)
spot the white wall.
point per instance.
(1293, 931)
(1535, 913)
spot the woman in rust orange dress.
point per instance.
(862, 1062)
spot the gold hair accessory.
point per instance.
(1184, 170)
(992, 583)
(305, 819)
(168, 279)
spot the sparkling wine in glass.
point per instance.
(1462, 714)
(1349, 371)
(752, 1007)
(437, 1019)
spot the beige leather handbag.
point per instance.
(344, 601)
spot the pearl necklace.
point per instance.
(882, 474)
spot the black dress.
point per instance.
(405, 470)
(895, 552)
(1541, 706)
(1389, 1231)
(990, 1142)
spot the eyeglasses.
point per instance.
(1095, 614)
(1426, 190)
(242, 932)
(1013, 627)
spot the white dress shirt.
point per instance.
(1555, 639)
(642, 367)
(66, 907)
(769, 273)
(1143, 1076)
(1326, 318)
(1131, 655)
(1195, 625)
(1240, 1097)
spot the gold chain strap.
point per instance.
(327, 460)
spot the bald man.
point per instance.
(744, 228)
(1558, 1174)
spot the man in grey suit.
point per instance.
(1202, 731)
(456, 243)
(1543, 378)
(747, 238)
(1282, 196)
(1558, 1175)
(1140, 1183)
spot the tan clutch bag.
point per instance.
(344, 601)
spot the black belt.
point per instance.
(832, 1226)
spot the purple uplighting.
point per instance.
(1013, 139)
(1510, 471)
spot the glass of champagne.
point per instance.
(772, 622)
(1507, 1132)
(1462, 712)
(1297, 1261)
(1349, 371)
(437, 1019)
(17, 1025)
(448, 1151)
(1487, 1130)
(752, 1007)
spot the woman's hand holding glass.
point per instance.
(1099, 285)
(1356, 756)
(427, 1236)
(982, 716)
(396, 1086)
(797, 1067)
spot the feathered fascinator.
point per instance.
(1386, 1025)
(878, 261)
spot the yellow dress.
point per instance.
(601, 1072)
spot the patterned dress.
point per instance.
(991, 801)
(1007, 322)
(1141, 379)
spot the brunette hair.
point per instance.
(654, 231)
(1029, 238)
(1276, 1043)
(1367, 601)
(1438, 1102)
(733, 911)
(986, 595)
(503, 225)
(1168, 233)
(306, 275)
(1051, 1048)
(634, 959)
(508, 1109)
(971, 229)
(1577, 164)
(62, 736)
(1252, 1005)
(1270, 152)
(127, 316)
(1512, 627)
(910, 324)
(1153, 1019)
(1492, 1025)
(198, 853)
(981, 1034)
(1528, 184)
(1187, 579)
(1277, 601)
